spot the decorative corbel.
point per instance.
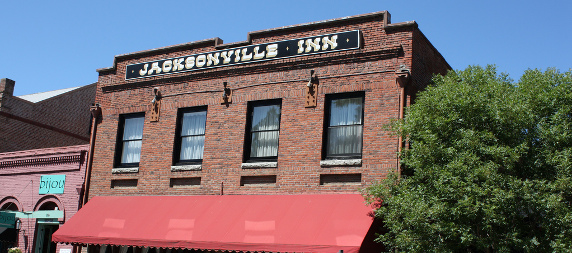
(156, 105)
(226, 95)
(312, 90)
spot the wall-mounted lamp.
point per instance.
(18, 224)
(313, 79)
(226, 94)
(157, 95)
(156, 105)
(312, 90)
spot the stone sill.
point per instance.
(259, 165)
(195, 167)
(125, 170)
(334, 163)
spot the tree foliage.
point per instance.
(488, 167)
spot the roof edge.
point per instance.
(24, 154)
(384, 14)
(218, 43)
(215, 41)
(402, 24)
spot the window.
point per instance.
(190, 140)
(130, 135)
(261, 142)
(344, 126)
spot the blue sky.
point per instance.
(50, 45)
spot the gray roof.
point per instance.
(37, 97)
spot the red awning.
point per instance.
(277, 223)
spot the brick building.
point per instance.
(43, 120)
(43, 142)
(215, 141)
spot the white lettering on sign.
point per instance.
(177, 64)
(282, 49)
(201, 60)
(317, 44)
(212, 59)
(257, 55)
(225, 57)
(190, 62)
(155, 67)
(331, 42)
(245, 56)
(167, 66)
(144, 70)
(272, 50)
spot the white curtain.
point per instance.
(266, 118)
(264, 144)
(345, 140)
(131, 152)
(346, 111)
(192, 132)
(265, 130)
(345, 131)
(132, 135)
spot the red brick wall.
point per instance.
(370, 69)
(68, 112)
(427, 61)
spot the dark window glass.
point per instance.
(131, 136)
(263, 131)
(344, 126)
(191, 136)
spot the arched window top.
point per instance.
(49, 202)
(10, 204)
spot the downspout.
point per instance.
(402, 77)
(96, 114)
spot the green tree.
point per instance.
(488, 167)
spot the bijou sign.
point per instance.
(255, 53)
(52, 184)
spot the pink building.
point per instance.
(43, 187)
(43, 151)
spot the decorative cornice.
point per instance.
(41, 161)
